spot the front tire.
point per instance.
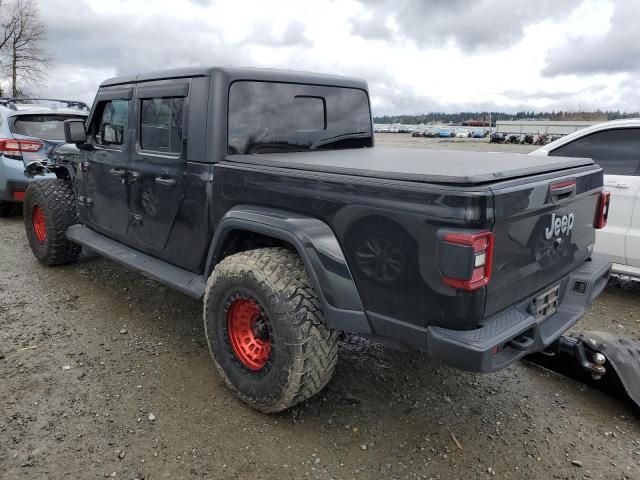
(49, 209)
(266, 331)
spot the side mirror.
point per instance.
(74, 131)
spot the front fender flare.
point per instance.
(319, 249)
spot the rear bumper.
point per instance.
(513, 333)
(13, 191)
(628, 270)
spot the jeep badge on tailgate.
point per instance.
(559, 226)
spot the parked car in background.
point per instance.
(462, 133)
(479, 134)
(498, 137)
(29, 128)
(615, 146)
(417, 133)
(445, 133)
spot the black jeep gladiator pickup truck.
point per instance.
(261, 192)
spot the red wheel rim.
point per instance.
(39, 224)
(248, 330)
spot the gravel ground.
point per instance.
(105, 373)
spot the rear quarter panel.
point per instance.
(388, 231)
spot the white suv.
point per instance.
(615, 146)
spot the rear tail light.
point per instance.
(465, 259)
(18, 195)
(15, 147)
(602, 210)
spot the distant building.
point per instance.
(476, 123)
(548, 127)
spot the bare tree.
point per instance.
(22, 34)
(7, 27)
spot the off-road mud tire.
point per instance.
(303, 349)
(56, 201)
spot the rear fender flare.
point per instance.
(319, 249)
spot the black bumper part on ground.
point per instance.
(513, 333)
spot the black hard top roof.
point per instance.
(417, 165)
(240, 73)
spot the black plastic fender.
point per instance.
(319, 249)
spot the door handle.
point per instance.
(166, 182)
(118, 172)
(617, 185)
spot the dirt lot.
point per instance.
(105, 373)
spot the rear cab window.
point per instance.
(44, 126)
(269, 117)
(617, 151)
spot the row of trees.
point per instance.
(439, 117)
(22, 58)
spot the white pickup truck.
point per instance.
(615, 146)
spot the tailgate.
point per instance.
(543, 230)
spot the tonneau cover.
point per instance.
(418, 165)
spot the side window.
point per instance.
(110, 123)
(161, 124)
(616, 151)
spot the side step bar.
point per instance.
(186, 282)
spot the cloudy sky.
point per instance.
(417, 55)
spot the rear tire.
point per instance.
(49, 209)
(289, 353)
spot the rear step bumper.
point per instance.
(513, 333)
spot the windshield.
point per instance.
(267, 117)
(47, 127)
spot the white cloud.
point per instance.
(416, 55)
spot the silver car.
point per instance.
(29, 129)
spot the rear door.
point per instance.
(617, 151)
(158, 167)
(105, 165)
(633, 237)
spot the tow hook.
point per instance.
(574, 347)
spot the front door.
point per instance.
(158, 165)
(105, 165)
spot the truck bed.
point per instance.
(431, 166)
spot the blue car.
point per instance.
(29, 129)
(479, 134)
(444, 133)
